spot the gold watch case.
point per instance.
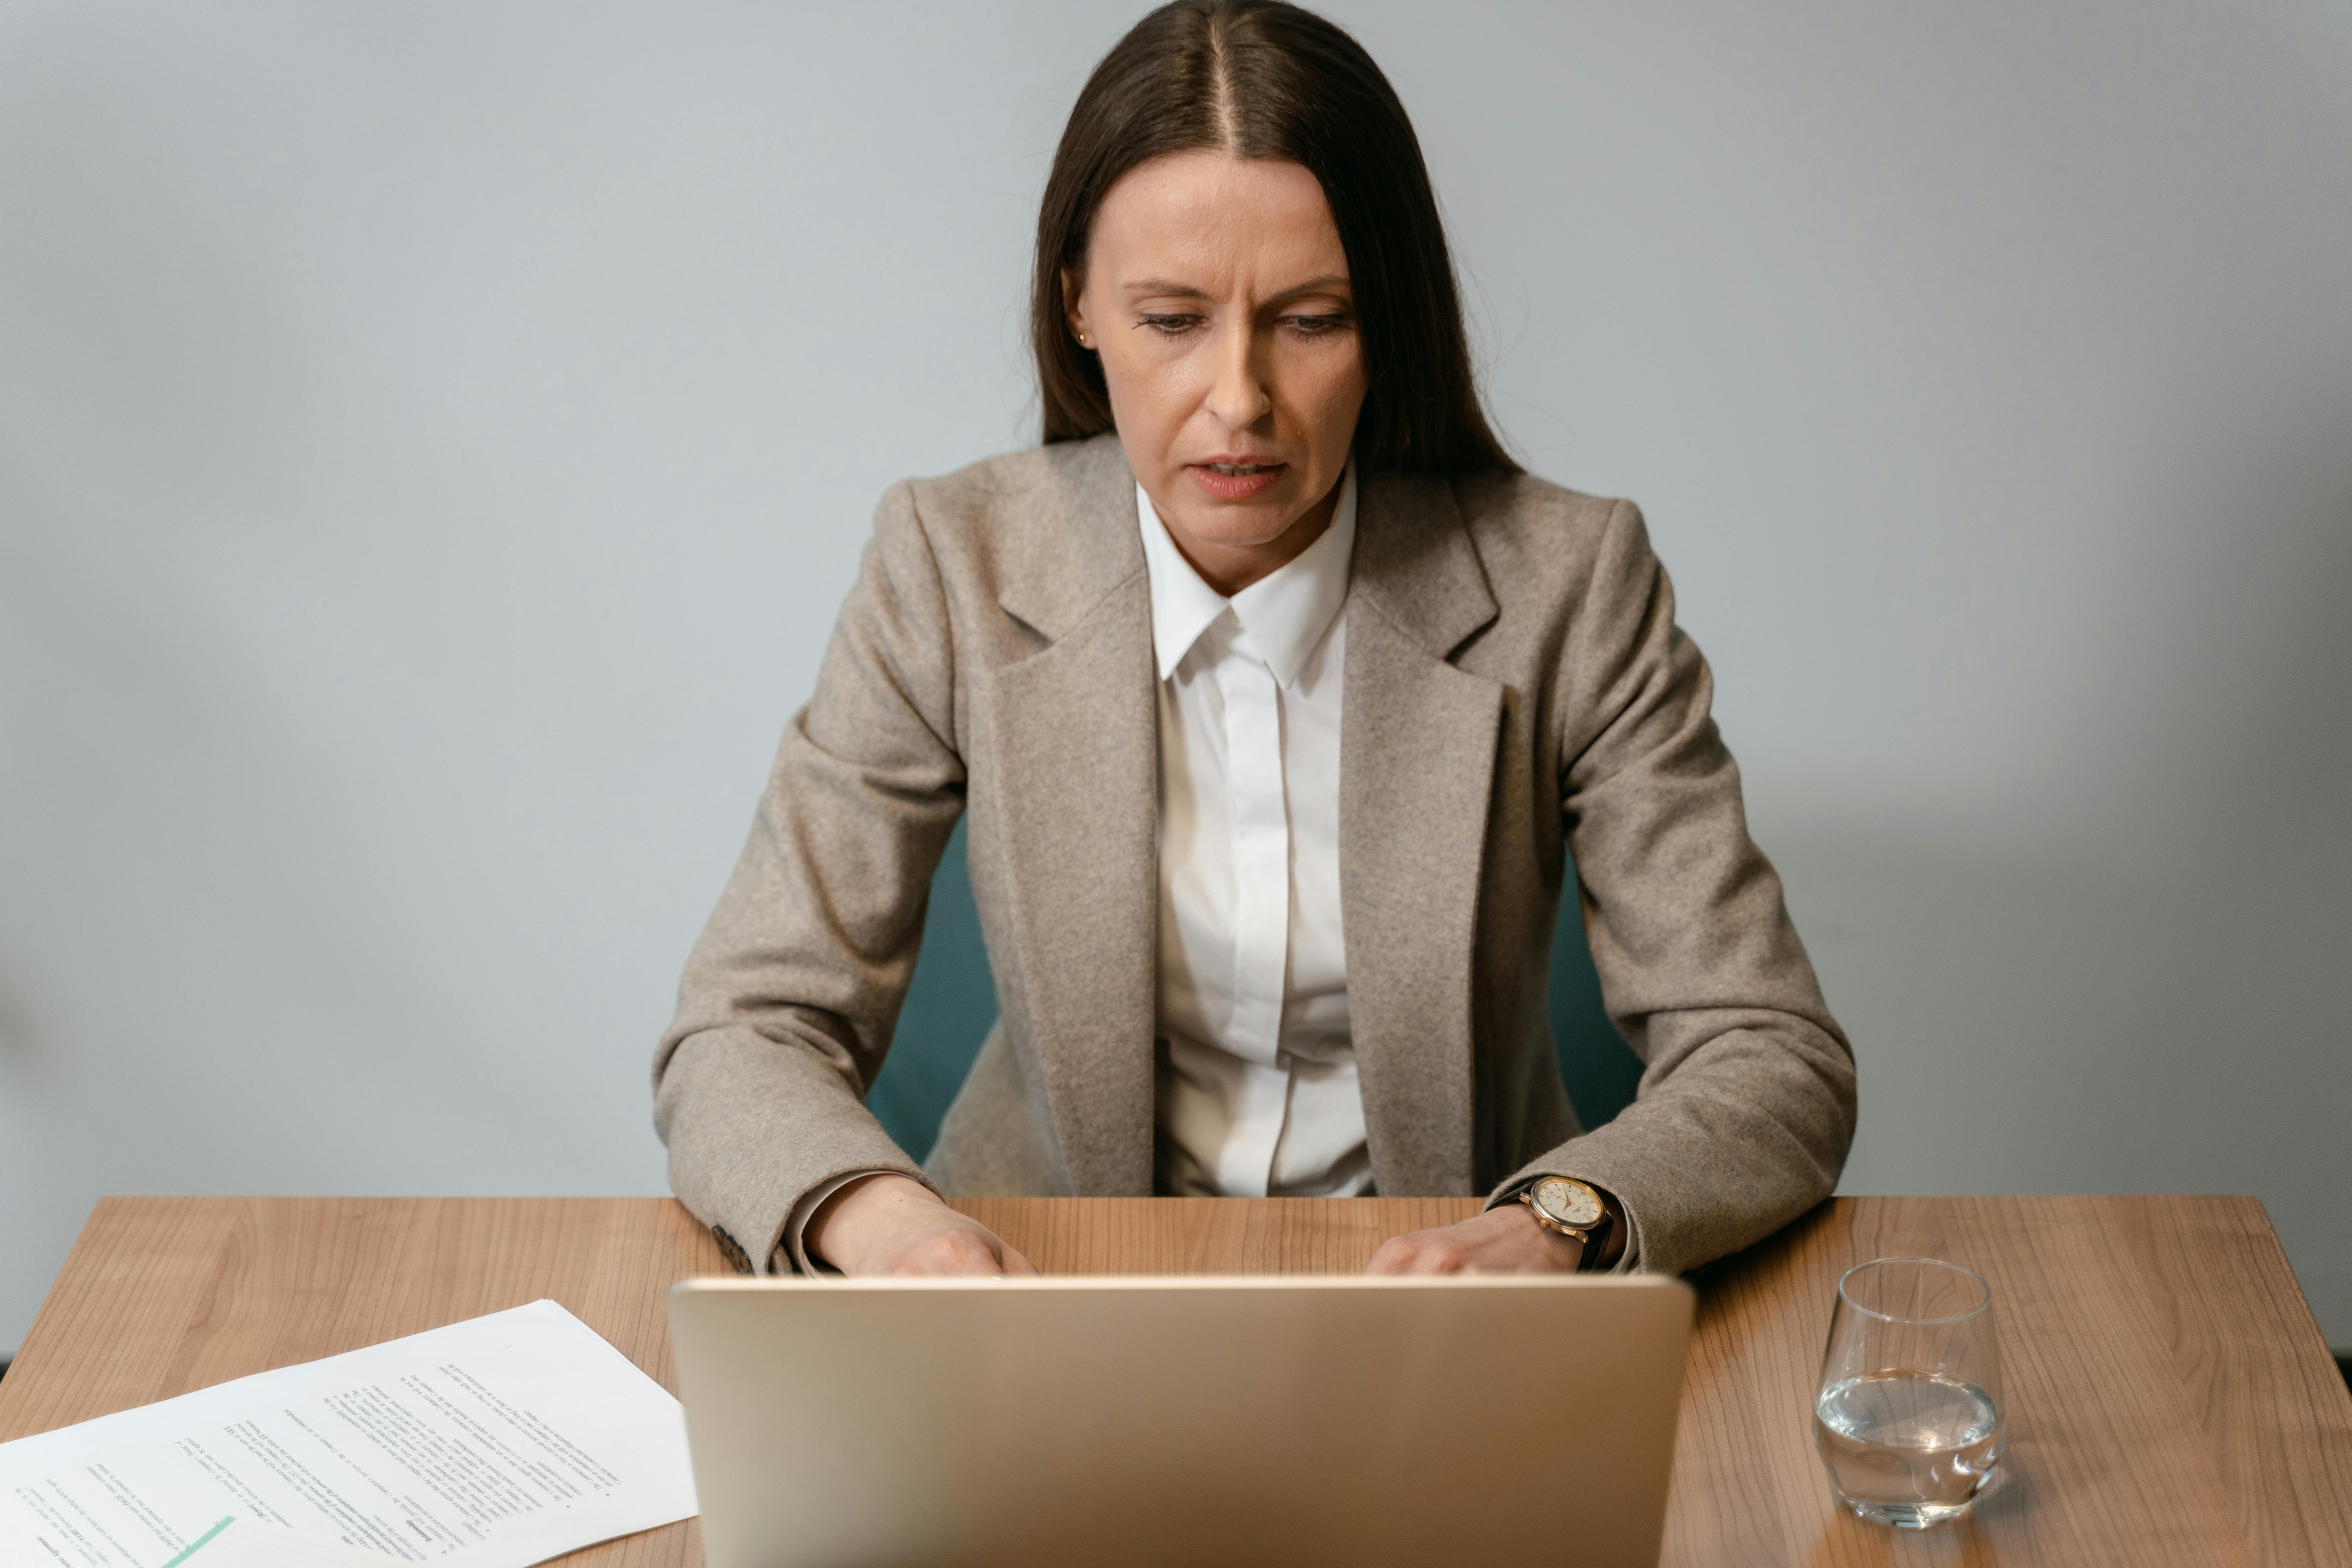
(1563, 1204)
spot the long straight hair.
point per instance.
(1259, 79)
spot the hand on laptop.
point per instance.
(888, 1224)
(1503, 1240)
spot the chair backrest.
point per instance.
(953, 1002)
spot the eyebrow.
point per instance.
(1187, 291)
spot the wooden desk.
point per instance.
(2170, 1397)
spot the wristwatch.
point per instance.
(1567, 1205)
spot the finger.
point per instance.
(949, 1254)
(1016, 1266)
(1442, 1258)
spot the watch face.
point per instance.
(1570, 1203)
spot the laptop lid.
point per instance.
(1498, 1420)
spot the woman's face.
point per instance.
(1216, 292)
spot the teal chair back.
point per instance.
(953, 1002)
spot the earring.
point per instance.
(1084, 342)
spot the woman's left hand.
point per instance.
(1506, 1239)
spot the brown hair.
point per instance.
(1260, 78)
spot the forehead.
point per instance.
(1206, 218)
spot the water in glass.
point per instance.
(1907, 1447)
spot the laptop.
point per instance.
(1228, 1420)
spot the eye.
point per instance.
(1320, 325)
(1172, 326)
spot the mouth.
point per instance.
(1229, 480)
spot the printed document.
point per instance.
(495, 1443)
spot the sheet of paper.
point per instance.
(495, 1443)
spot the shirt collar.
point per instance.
(1286, 612)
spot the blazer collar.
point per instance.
(1415, 563)
(1077, 541)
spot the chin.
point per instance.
(1237, 533)
(1261, 520)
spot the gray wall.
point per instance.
(432, 442)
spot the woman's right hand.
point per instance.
(888, 1224)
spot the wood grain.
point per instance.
(2170, 1397)
(1208, 1235)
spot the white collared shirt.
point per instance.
(1256, 1089)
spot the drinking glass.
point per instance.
(1908, 1419)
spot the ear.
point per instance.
(1074, 310)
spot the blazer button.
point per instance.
(733, 1251)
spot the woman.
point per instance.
(1278, 698)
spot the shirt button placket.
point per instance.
(1261, 911)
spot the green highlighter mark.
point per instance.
(197, 1545)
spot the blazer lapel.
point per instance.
(1076, 731)
(1417, 748)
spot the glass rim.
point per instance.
(1985, 1299)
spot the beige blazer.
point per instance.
(1515, 691)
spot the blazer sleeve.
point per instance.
(792, 992)
(1745, 1107)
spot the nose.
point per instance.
(1237, 391)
